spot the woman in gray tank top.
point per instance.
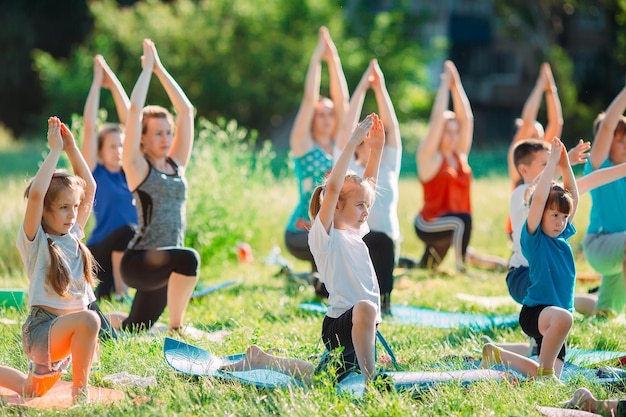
(154, 159)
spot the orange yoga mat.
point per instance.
(60, 396)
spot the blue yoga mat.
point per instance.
(583, 357)
(192, 360)
(202, 291)
(433, 318)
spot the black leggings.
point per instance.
(297, 244)
(116, 241)
(452, 229)
(149, 272)
(383, 254)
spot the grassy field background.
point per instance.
(236, 196)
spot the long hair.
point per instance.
(58, 277)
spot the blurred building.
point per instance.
(498, 56)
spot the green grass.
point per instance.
(233, 199)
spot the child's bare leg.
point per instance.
(12, 379)
(179, 291)
(493, 354)
(256, 358)
(520, 348)
(75, 334)
(585, 303)
(364, 335)
(554, 325)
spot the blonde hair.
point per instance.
(58, 277)
(318, 194)
(155, 112)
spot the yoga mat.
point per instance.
(192, 360)
(584, 357)
(202, 291)
(433, 318)
(60, 396)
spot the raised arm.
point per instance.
(569, 180)
(375, 140)
(300, 139)
(338, 85)
(41, 182)
(428, 156)
(111, 82)
(81, 169)
(133, 161)
(337, 175)
(386, 110)
(182, 143)
(90, 115)
(600, 177)
(526, 130)
(354, 110)
(604, 136)
(463, 111)
(554, 127)
(542, 190)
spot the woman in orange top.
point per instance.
(443, 170)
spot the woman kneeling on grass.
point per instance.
(339, 210)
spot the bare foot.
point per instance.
(583, 399)
(491, 356)
(255, 359)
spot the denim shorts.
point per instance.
(36, 343)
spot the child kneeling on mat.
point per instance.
(60, 269)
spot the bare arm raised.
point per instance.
(542, 190)
(604, 135)
(338, 173)
(386, 110)
(41, 182)
(133, 161)
(428, 156)
(301, 139)
(103, 77)
(355, 108)
(463, 111)
(81, 169)
(553, 105)
(180, 151)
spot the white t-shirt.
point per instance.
(36, 258)
(345, 267)
(518, 212)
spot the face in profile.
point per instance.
(354, 206)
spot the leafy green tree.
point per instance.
(241, 59)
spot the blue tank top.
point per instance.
(114, 206)
(310, 169)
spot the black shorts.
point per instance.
(529, 321)
(337, 332)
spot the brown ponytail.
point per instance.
(316, 202)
